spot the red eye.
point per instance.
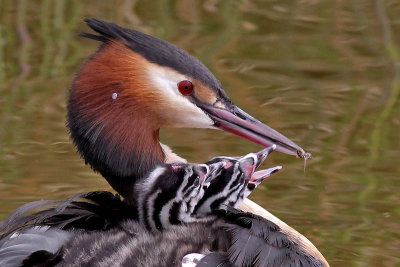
(185, 87)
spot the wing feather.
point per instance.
(255, 241)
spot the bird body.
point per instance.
(152, 241)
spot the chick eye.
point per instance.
(185, 87)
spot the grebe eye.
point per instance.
(185, 87)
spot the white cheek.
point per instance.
(182, 112)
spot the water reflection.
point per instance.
(326, 74)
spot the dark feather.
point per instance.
(41, 258)
(256, 241)
(215, 259)
(21, 245)
(93, 36)
(98, 210)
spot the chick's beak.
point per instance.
(238, 122)
(263, 154)
(260, 176)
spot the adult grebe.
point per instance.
(134, 85)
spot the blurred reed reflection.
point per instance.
(324, 73)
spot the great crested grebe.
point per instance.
(130, 88)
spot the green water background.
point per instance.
(324, 73)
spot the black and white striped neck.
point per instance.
(179, 193)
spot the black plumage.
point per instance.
(97, 210)
(255, 241)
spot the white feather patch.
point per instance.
(181, 110)
(192, 259)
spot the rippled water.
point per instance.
(324, 73)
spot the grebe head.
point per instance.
(134, 85)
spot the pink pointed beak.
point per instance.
(238, 122)
(257, 178)
(260, 176)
